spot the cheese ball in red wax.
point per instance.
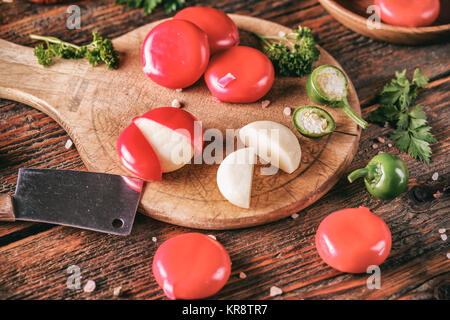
(408, 13)
(240, 74)
(351, 240)
(191, 266)
(221, 30)
(175, 53)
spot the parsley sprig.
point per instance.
(412, 132)
(149, 5)
(97, 52)
(292, 54)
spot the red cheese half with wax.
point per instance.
(161, 140)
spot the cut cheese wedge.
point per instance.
(173, 149)
(274, 143)
(235, 175)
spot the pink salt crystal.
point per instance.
(68, 144)
(225, 80)
(242, 275)
(89, 286)
(275, 291)
(265, 103)
(216, 99)
(176, 103)
(287, 111)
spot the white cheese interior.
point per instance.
(173, 149)
(273, 142)
(235, 175)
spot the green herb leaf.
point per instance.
(382, 114)
(419, 79)
(97, 52)
(293, 54)
(150, 5)
(402, 138)
(412, 134)
(419, 149)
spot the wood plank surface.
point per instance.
(34, 257)
(94, 105)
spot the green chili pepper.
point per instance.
(385, 176)
(328, 85)
(313, 122)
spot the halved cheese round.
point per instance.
(161, 140)
(274, 143)
(173, 149)
(235, 175)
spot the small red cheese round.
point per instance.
(221, 30)
(240, 74)
(191, 266)
(409, 13)
(175, 53)
(350, 240)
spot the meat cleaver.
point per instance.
(87, 200)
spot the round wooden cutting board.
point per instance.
(95, 104)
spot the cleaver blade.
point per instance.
(94, 201)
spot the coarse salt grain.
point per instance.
(265, 103)
(225, 80)
(380, 140)
(294, 216)
(437, 194)
(176, 103)
(212, 236)
(448, 255)
(281, 33)
(375, 146)
(89, 286)
(275, 291)
(116, 291)
(442, 230)
(154, 239)
(68, 144)
(287, 111)
(390, 145)
(216, 99)
(242, 275)
(435, 176)
(179, 90)
(444, 237)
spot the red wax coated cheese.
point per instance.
(137, 155)
(191, 266)
(409, 13)
(240, 74)
(175, 53)
(221, 30)
(350, 240)
(152, 143)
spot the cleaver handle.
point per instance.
(6, 208)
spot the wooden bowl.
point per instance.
(352, 14)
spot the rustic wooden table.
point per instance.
(34, 258)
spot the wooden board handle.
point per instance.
(49, 89)
(6, 208)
